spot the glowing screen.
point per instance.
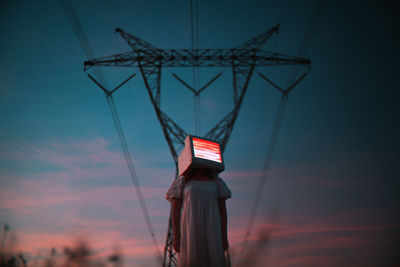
(206, 150)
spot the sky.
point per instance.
(331, 195)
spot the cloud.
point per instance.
(77, 160)
(312, 241)
(41, 194)
(83, 186)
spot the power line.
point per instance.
(194, 26)
(131, 168)
(310, 31)
(80, 34)
(308, 36)
(78, 29)
(267, 163)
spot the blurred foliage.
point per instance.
(79, 255)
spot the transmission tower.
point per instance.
(150, 60)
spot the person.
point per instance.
(199, 218)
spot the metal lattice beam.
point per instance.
(258, 41)
(134, 42)
(197, 58)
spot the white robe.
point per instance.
(201, 239)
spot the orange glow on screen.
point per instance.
(206, 150)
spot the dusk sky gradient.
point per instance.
(331, 196)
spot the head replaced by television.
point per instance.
(200, 153)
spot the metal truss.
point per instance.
(196, 58)
(150, 60)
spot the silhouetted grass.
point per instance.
(79, 255)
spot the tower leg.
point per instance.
(170, 256)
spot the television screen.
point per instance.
(206, 150)
(200, 152)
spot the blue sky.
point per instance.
(333, 178)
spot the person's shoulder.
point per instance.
(223, 189)
(176, 189)
(219, 179)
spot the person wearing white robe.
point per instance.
(199, 218)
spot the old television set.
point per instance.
(200, 152)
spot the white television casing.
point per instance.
(200, 152)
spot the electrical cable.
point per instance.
(310, 31)
(78, 29)
(194, 22)
(267, 163)
(80, 34)
(279, 23)
(308, 36)
(131, 168)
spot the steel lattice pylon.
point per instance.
(150, 60)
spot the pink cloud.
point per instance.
(308, 260)
(280, 230)
(44, 193)
(79, 160)
(288, 246)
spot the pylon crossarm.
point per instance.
(285, 92)
(209, 83)
(108, 92)
(125, 59)
(271, 83)
(134, 42)
(191, 88)
(205, 58)
(296, 82)
(121, 84)
(258, 41)
(184, 83)
(99, 85)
